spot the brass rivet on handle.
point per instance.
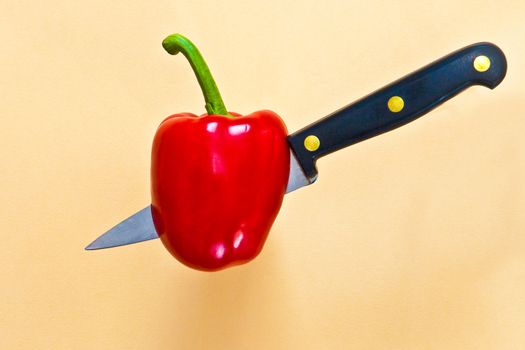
(481, 63)
(395, 104)
(312, 143)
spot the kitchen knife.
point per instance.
(386, 109)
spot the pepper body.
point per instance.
(217, 185)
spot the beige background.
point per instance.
(412, 240)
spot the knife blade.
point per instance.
(139, 227)
(384, 110)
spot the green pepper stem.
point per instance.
(176, 43)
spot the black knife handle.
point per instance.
(399, 103)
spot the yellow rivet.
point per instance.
(396, 104)
(312, 143)
(482, 63)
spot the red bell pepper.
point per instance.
(217, 180)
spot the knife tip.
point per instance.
(91, 246)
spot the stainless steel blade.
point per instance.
(296, 178)
(139, 227)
